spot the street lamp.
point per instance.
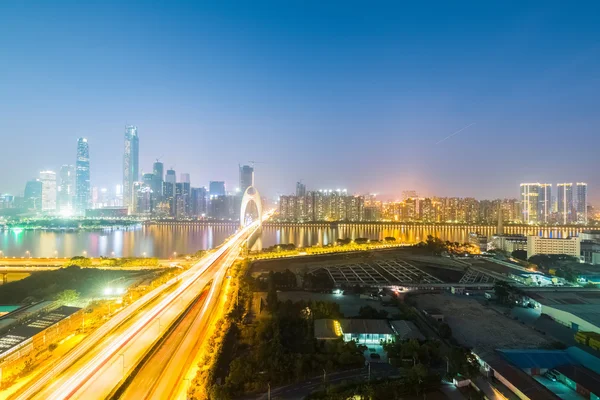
(1, 254)
(144, 254)
(55, 253)
(85, 253)
(174, 254)
(28, 254)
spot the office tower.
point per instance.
(119, 195)
(182, 199)
(171, 177)
(33, 195)
(184, 177)
(300, 189)
(158, 180)
(148, 179)
(198, 198)
(545, 203)
(216, 188)
(130, 163)
(581, 205)
(246, 177)
(168, 196)
(82, 176)
(48, 179)
(565, 202)
(529, 202)
(66, 189)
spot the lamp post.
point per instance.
(28, 254)
(85, 253)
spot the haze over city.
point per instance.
(338, 95)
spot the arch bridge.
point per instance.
(251, 195)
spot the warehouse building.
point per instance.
(577, 309)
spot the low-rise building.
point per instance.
(362, 331)
(508, 243)
(539, 245)
(406, 330)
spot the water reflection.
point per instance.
(162, 241)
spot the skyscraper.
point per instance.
(545, 203)
(157, 184)
(529, 202)
(216, 188)
(246, 177)
(82, 176)
(184, 177)
(300, 189)
(565, 202)
(130, 163)
(66, 189)
(33, 195)
(48, 179)
(581, 205)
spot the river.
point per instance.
(163, 240)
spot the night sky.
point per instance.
(356, 95)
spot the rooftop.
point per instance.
(380, 326)
(406, 330)
(32, 327)
(582, 376)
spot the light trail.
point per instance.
(66, 389)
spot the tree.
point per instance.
(520, 254)
(416, 378)
(68, 297)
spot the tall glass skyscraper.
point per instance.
(66, 189)
(246, 177)
(48, 179)
(82, 176)
(130, 163)
(529, 201)
(581, 205)
(565, 202)
(545, 203)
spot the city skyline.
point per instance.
(369, 112)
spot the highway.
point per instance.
(94, 368)
(164, 375)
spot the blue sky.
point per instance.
(338, 94)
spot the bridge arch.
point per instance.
(250, 195)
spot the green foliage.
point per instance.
(389, 239)
(78, 261)
(462, 362)
(282, 349)
(426, 353)
(520, 254)
(318, 280)
(45, 285)
(437, 246)
(368, 312)
(68, 297)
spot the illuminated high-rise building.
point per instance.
(300, 189)
(564, 197)
(66, 189)
(130, 164)
(48, 179)
(33, 195)
(82, 176)
(216, 188)
(529, 202)
(246, 177)
(581, 204)
(157, 184)
(545, 203)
